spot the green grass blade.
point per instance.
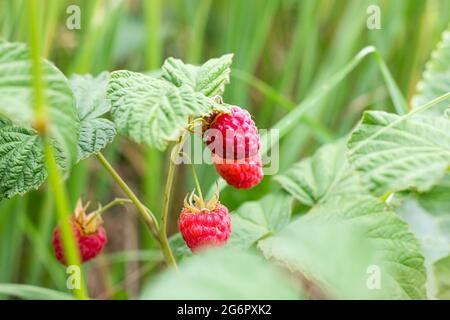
(32, 292)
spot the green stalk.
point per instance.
(198, 32)
(62, 208)
(197, 183)
(167, 197)
(153, 158)
(109, 205)
(144, 212)
(152, 11)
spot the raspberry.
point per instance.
(242, 174)
(90, 236)
(204, 226)
(233, 136)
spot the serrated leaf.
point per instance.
(209, 78)
(255, 220)
(22, 165)
(95, 132)
(177, 72)
(16, 94)
(442, 278)
(214, 75)
(154, 111)
(325, 174)
(223, 274)
(395, 153)
(432, 229)
(337, 242)
(436, 77)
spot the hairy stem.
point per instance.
(144, 212)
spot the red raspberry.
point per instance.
(242, 174)
(90, 236)
(233, 136)
(204, 226)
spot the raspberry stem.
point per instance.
(197, 184)
(145, 213)
(167, 195)
(102, 209)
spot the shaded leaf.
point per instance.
(317, 178)
(16, 98)
(22, 165)
(255, 220)
(95, 132)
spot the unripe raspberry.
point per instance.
(89, 235)
(204, 226)
(242, 174)
(233, 135)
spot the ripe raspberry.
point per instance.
(204, 226)
(233, 136)
(242, 174)
(89, 235)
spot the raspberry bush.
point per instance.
(337, 221)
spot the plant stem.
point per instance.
(197, 184)
(144, 212)
(167, 195)
(117, 201)
(41, 125)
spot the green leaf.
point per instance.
(209, 79)
(432, 229)
(436, 77)
(255, 220)
(327, 173)
(223, 274)
(178, 246)
(338, 242)
(32, 292)
(95, 132)
(396, 153)
(21, 160)
(16, 98)
(176, 72)
(154, 111)
(442, 278)
(437, 200)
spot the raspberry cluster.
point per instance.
(234, 141)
